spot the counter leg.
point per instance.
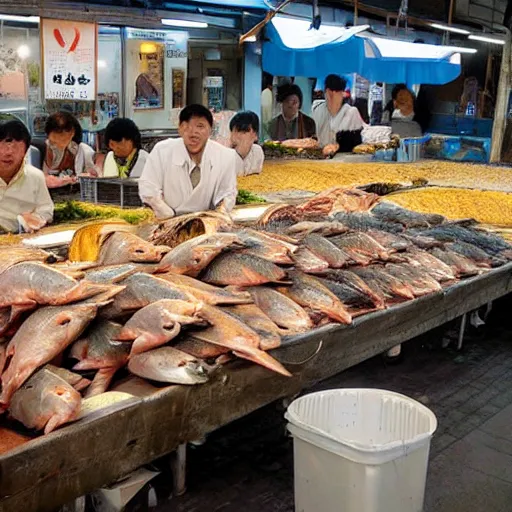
(461, 331)
(179, 470)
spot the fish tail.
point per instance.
(263, 359)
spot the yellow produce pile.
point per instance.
(487, 207)
(320, 175)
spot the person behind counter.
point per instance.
(126, 158)
(191, 173)
(291, 123)
(403, 118)
(338, 124)
(244, 128)
(24, 197)
(66, 155)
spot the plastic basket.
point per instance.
(412, 149)
(114, 191)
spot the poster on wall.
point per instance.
(69, 50)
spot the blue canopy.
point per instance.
(241, 4)
(292, 49)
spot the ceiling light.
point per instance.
(184, 23)
(23, 52)
(487, 39)
(449, 28)
(102, 64)
(24, 19)
(461, 49)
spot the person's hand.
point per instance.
(92, 172)
(242, 143)
(57, 181)
(330, 149)
(31, 222)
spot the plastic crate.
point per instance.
(412, 149)
(115, 191)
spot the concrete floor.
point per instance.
(248, 465)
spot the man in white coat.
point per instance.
(192, 173)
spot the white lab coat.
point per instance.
(327, 126)
(166, 176)
(252, 163)
(25, 193)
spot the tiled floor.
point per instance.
(249, 465)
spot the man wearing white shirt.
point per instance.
(244, 128)
(24, 198)
(338, 124)
(192, 173)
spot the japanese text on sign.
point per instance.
(69, 60)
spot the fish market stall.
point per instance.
(151, 336)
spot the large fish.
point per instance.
(26, 285)
(98, 348)
(359, 221)
(205, 292)
(262, 245)
(353, 291)
(478, 256)
(45, 401)
(420, 282)
(361, 245)
(242, 270)
(260, 323)
(192, 256)
(111, 273)
(325, 228)
(227, 331)
(158, 323)
(167, 364)
(141, 290)
(309, 262)
(391, 288)
(390, 241)
(309, 292)
(123, 247)
(389, 212)
(283, 311)
(326, 250)
(433, 266)
(461, 266)
(74, 379)
(10, 256)
(199, 348)
(44, 335)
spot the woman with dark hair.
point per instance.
(291, 123)
(126, 158)
(66, 155)
(244, 128)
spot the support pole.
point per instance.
(500, 112)
(461, 331)
(179, 470)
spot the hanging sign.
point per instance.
(69, 51)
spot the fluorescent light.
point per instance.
(24, 19)
(23, 52)
(461, 49)
(102, 64)
(487, 39)
(449, 28)
(184, 23)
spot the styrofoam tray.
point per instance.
(51, 239)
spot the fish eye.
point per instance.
(65, 321)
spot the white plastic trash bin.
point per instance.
(360, 450)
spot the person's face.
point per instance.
(122, 148)
(291, 106)
(239, 138)
(12, 153)
(404, 102)
(61, 140)
(333, 98)
(195, 134)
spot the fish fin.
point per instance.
(125, 334)
(19, 309)
(263, 359)
(101, 381)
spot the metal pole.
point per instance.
(498, 130)
(178, 467)
(461, 331)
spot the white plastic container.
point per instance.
(360, 450)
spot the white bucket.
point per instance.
(360, 450)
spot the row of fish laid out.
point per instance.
(172, 306)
